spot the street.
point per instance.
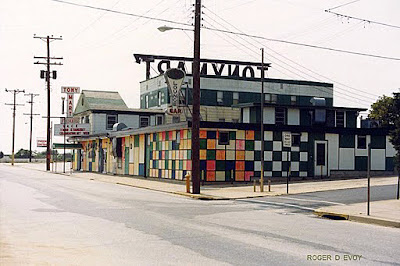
(54, 219)
(307, 202)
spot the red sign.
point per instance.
(70, 90)
(174, 110)
(41, 143)
(70, 104)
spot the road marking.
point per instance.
(280, 204)
(310, 200)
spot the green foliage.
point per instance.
(22, 154)
(382, 110)
(387, 110)
(1, 154)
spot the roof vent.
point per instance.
(119, 126)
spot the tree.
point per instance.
(1, 154)
(387, 110)
(22, 154)
(382, 110)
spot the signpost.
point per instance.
(287, 143)
(67, 128)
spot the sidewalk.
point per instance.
(382, 212)
(385, 212)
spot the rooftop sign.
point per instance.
(209, 67)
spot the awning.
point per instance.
(67, 146)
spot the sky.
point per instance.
(98, 46)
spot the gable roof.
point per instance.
(100, 100)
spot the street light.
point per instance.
(196, 98)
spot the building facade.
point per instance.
(305, 135)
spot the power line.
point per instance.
(363, 20)
(295, 62)
(304, 44)
(236, 33)
(121, 13)
(343, 95)
(342, 5)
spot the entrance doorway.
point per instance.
(321, 158)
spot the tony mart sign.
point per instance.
(174, 78)
(74, 129)
(70, 90)
(70, 104)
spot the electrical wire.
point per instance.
(342, 5)
(364, 20)
(343, 95)
(237, 33)
(122, 13)
(298, 63)
(305, 45)
(94, 21)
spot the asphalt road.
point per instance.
(59, 220)
(307, 202)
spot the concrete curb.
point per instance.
(357, 218)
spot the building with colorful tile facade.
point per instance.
(324, 140)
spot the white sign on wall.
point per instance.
(74, 129)
(287, 139)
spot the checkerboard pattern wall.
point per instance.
(170, 154)
(240, 160)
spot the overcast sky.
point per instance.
(98, 47)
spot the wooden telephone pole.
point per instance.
(46, 74)
(31, 126)
(14, 104)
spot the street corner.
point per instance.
(199, 196)
(331, 215)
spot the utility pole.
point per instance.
(196, 102)
(46, 74)
(262, 126)
(369, 179)
(15, 92)
(31, 117)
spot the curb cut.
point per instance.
(331, 215)
(357, 218)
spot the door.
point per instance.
(105, 160)
(101, 159)
(79, 159)
(321, 158)
(127, 160)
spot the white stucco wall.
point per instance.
(378, 160)
(333, 151)
(346, 159)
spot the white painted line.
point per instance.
(310, 200)
(280, 204)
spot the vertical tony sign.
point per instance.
(70, 91)
(174, 78)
